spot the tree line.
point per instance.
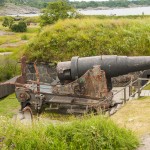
(32, 3)
(110, 3)
(80, 4)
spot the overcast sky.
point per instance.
(89, 0)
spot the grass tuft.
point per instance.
(90, 133)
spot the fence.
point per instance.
(131, 91)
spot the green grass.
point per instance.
(15, 42)
(147, 87)
(8, 67)
(90, 133)
(9, 106)
(91, 36)
(135, 116)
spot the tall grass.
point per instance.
(9, 106)
(92, 133)
(8, 68)
(91, 36)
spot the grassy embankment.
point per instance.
(91, 133)
(15, 43)
(135, 116)
(91, 36)
(98, 131)
(87, 36)
(9, 106)
(84, 37)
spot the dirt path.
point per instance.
(5, 33)
(145, 144)
(15, 44)
(6, 53)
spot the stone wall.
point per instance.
(47, 72)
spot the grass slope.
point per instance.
(91, 36)
(15, 43)
(92, 133)
(9, 106)
(135, 116)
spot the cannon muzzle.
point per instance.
(112, 65)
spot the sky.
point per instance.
(89, 0)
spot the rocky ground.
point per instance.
(11, 9)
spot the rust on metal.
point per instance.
(37, 77)
(91, 85)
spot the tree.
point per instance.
(20, 27)
(57, 10)
(8, 22)
(2, 2)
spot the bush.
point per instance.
(24, 37)
(20, 27)
(29, 20)
(88, 37)
(92, 133)
(8, 22)
(8, 68)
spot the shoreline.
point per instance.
(27, 11)
(12, 9)
(111, 8)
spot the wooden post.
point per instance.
(130, 89)
(125, 95)
(139, 85)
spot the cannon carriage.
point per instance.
(81, 85)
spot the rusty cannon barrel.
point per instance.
(112, 65)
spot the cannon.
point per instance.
(83, 84)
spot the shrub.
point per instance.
(8, 68)
(8, 22)
(20, 27)
(24, 37)
(29, 20)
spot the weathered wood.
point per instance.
(6, 88)
(73, 100)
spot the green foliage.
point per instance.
(20, 27)
(88, 37)
(29, 20)
(8, 68)
(8, 22)
(110, 3)
(91, 133)
(55, 11)
(32, 3)
(24, 37)
(81, 4)
(2, 2)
